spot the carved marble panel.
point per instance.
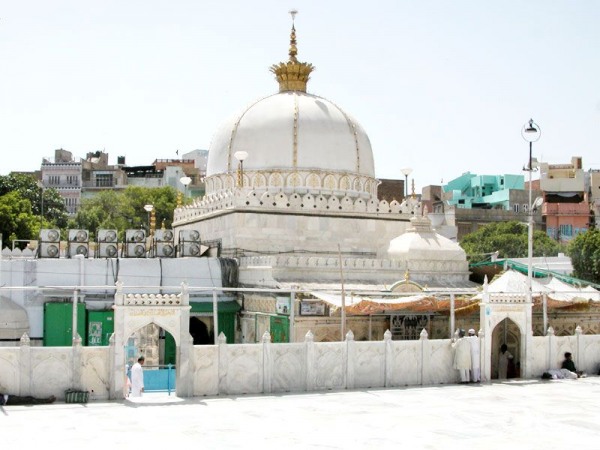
(369, 364)
(206, 374)
(240, 369)
(289, 367)
(329, 366)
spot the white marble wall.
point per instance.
(234, 369)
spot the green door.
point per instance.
(58, 324)
(170, 349)
(280, 328)
(100, 326)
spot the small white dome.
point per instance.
(421, 243)
(14, 321)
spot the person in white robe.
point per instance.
(137, 378)
(462, 356)
(475, 357)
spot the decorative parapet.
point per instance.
(152, 300)
(508, 298)
(339, 202)
(293, 261)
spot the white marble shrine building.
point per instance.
(291, 193)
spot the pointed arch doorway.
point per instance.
(506, 333)
(506, 318)
(170, 313)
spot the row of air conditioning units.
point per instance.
(134, 246)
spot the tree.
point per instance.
(584, 251)
(125, 209)
(16, 219)
(509, 239)
(28, 218)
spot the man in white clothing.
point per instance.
(137, 378)
(475, 357)
(462, 356)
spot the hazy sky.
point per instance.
(442, 87)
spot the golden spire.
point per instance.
(292, 75)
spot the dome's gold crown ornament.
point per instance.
(292, 75)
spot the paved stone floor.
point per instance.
(515, 414)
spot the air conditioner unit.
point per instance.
(165, 250)
(49, 250)
(107, 250)
(192, 249)
(49, 235)
(163, 235)
(135, 236)
(107, 236)
(79, 236)
(76, 248)
(189, 236)
(136, 251)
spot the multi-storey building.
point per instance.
(566, 208)
(64, 174)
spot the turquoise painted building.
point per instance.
(470, 191)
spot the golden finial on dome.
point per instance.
(292, 75)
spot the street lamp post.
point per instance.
(185, 181)
(531, 133)
(149, 209)
(407, 171)
(240, 156)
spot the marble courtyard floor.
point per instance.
(513, 414)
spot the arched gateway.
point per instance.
(170, 312)
(495, 308)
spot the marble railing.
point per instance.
(352, 263)
(230, 369)
(244, 198)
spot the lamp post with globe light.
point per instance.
(240, 156)
(531, 132)
(185, 181)
(149, 208)
(406, 172)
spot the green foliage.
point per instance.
(28, 215)
(584, 251)
(509, 239)
(123, 210)
(16, 219)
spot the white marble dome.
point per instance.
(295, 143)
(294, 140)
(292, 130)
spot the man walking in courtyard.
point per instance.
(137, 378)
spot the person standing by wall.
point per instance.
(475, 357)
(503, 360)
(462, 356)
(137, 378)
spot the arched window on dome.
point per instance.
(329, 182)
(294, 180)
(313, 181)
